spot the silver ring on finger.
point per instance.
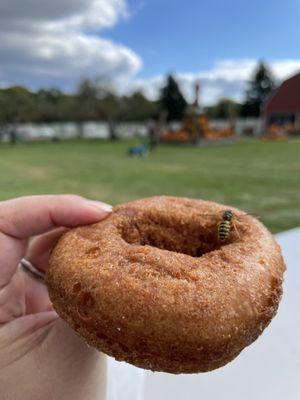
(31, 270)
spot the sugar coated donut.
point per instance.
(155, 286)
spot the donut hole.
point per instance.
(191, 238)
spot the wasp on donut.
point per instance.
(226, 224)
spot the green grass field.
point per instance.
(259, 177)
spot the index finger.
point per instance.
(30, 216)
(33, 215)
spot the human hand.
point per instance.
(40, 356)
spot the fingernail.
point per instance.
(53, 314)
(101, 206)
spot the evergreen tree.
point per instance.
(260, 88)
(172, 100)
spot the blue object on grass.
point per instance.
(139, 151)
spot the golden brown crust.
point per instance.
(152, 286)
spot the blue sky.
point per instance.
(134, 43)
(192, 35)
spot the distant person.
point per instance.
(41, 358)
(12, 136)
(112, 130)
(153, 134)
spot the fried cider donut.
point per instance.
(152, 285)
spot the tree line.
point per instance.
(97, 101)
(90, 102)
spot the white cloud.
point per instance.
(54, 43)
(285, 68)
(78, 14)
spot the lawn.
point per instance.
(259, 177)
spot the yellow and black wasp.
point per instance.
(228, 221)
(226, 225)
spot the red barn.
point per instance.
(283, 107)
